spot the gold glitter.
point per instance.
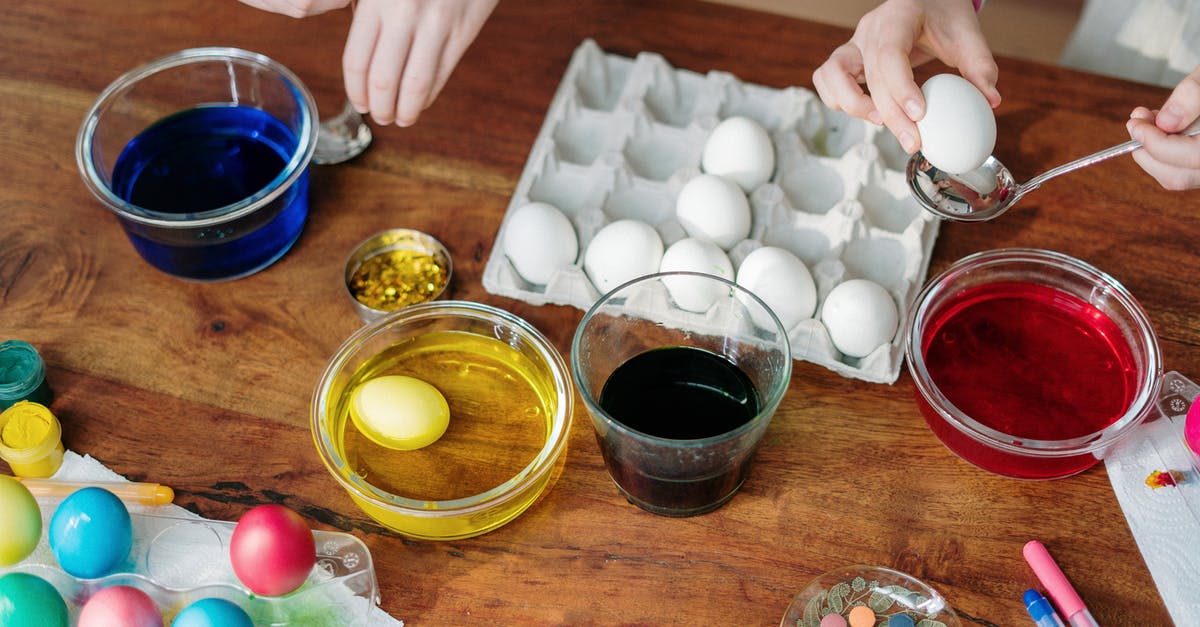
(397, 278)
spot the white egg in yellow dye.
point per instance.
(399, 412)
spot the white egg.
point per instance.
(860, 316)
(714, 208)
(622, 251)
(782, 281)
(538, 240)
(741, 150)
(696, 255)
(958, 132)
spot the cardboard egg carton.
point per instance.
(622, 136)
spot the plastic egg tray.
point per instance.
(178, 561)
(622, 136)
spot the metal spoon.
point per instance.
(989, 190)
(342, 137)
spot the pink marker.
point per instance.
(1056, 584)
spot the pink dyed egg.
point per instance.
(120, 605)
(272, 550)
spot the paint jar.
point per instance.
(22, 375)
(31, 440)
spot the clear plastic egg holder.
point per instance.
(622, 136)
(891, 595)
(178, 561)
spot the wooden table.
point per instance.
(205, 387)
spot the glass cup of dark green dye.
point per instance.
(680, 395)
(22, 375)
(203, 155)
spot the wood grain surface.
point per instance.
(206, 387)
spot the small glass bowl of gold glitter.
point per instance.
(394, 269)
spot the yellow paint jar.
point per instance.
(31, 440)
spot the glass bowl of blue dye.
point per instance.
(203, 157)
(868, 595)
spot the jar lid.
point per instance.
(28, 431)
(21, 371)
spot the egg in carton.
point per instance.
(622, 137)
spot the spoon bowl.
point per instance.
(989, 190)
(976, 196)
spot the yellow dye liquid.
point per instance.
(501, 402)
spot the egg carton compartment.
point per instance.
(178, 561)
(622, 136)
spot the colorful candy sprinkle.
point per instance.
(1159, 479)
(862, 616)
(833, 620)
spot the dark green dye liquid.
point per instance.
(680, 393)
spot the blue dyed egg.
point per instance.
(29, 601)
(212, 613)
(90, 533)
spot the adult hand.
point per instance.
(399, 53)
(887, 43)
(1172, 159)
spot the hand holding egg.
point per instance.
(958, 132)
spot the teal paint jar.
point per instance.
(22, 375)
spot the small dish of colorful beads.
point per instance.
(394, 269)
(868, 596)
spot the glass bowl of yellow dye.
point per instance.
(396, 268)
(510, 402)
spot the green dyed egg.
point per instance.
(21, 524)
(30, 601)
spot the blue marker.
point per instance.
(1040, 610)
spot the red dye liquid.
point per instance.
(1029, 361)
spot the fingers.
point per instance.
(837, 84)
(400, 53)
(1171, 157)
(419, 74)
(1182, 108)
(356, 58)
(388, 65)
(1170, 177)
(957, 39)
(888, 41)
(890, 81)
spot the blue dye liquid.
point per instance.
(203, 159)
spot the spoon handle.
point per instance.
(1096, 157)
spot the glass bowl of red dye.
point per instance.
(1031, 363)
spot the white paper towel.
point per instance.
(1165, 521)
(84, 468)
